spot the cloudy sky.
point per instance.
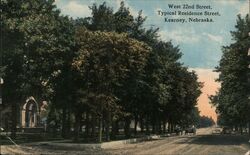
(200, 43)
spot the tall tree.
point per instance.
(106, 66)
(232, 101)
(144, 95)
(37, 42)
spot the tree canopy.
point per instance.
(106, 70)
(232, 99)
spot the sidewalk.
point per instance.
(63, 144)
(28, 148)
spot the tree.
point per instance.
(106, 66)
(149, 94)
(206, 121)
(113, 70)
(13, 59)
(37, 42)
(232, 101)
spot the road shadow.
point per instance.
(218, 139)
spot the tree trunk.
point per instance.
(67, 125)
(64, 122)
(115, 129)
(172, 127)
(141, 124)
(107, 125)
(87, 125)
(159, 127)
(100, 129)
(93, 125)
(14, 120)
(236, 128)
(127, 128)
(135, 125)
(77, 126)
(147, 126)
(164, 126)
(153, 126)
(249, 130)
(169, 127)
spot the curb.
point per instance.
(68, 146)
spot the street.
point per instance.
(204, 143)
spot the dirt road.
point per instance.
(204, 143)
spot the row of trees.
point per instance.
(98, 72)
(232, 100)
(206, 122)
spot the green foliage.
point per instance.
(107, 66)
(206, 122)
(35, 29)
(105, 60)
(37, 48)
(232, 101)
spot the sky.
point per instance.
(199, 42)
(210, 86)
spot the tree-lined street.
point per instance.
(108, 77)
(98, 73)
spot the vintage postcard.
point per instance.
(125, 77)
